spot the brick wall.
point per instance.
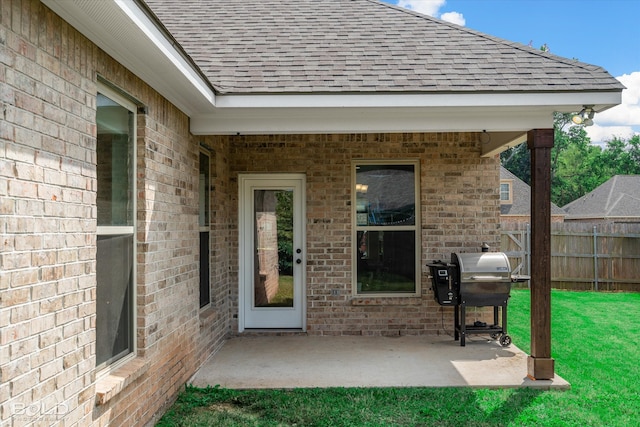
(460, 210)
(48, 86)
(266, 273)
(48, 183)
(47, 186)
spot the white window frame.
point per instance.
(103, 230)
(416, 228)
(206, 228)
(508, 182)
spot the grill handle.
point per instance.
(487, 278)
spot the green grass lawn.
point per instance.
(594, 345)
(284, 296)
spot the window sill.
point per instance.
(117, 380)
(388, 301)
(207, 314)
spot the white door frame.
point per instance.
(246, 184)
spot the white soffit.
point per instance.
(336, 113)
(124, 31)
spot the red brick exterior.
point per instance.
(48, 85)
(460, 210)
(48, 82)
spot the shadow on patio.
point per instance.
(294, 361)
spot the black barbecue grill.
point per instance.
(479, 279)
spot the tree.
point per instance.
(634, 149)
(621, 157)
(284, 215)
(577, 166)
(578, 171)
(517, 160)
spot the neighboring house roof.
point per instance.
(294, 46)
(619, 197)
(521, 197)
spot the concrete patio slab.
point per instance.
(295, 361)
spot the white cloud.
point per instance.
(432, 8)
(427, 7)
(600, 134)
(454, 18)
(623, 120)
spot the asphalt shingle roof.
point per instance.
(521, 194)
(618, 197)
(316, 46)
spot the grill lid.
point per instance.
(483, 266)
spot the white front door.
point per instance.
(272, 251)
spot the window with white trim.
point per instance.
(116, 205)
(386, 234)
(506, 194)
(204, 189)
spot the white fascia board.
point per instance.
(123, 30)
(255, 114)
(368, 120)
(572, 101)
(166, 46)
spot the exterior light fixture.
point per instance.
(485, 137)
(585, 116)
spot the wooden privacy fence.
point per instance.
(584, 256)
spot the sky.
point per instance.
(599, 32)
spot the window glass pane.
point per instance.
(205, 288)
(504, 192)
(204, 189)
(385, 195)
(114, 168)
(203, 221)
(386, 261)
(114, 311)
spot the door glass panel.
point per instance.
(273, 236)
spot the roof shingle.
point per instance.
(328, 46)
(617, 197)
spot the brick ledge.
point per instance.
(394, 301)
(117, 380)
(207, 314)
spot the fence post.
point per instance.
(595, 256)
(527, 251)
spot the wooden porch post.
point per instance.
(540, 365)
